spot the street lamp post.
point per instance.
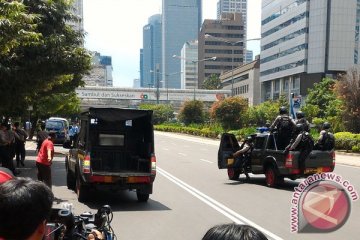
(195, 68)
(232, 54)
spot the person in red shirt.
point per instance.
(44, 160)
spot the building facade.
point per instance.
(249, 56)
(101, 71)
(223, 39)
(79, 11)
(245, 82)
(181, 21)
(231, 6)
(151, 50)
(189, 70)
(304, 41)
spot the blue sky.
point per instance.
(114, 28)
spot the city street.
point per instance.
(191, 195)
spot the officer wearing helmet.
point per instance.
(302, 143)
(300, 118)
(326, 139)
(243, 155)
(285, 126)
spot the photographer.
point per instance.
(25, 205)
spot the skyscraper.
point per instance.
(231, 6)
(224, 39)
(304, 41)
(78, 10)
(181, 21)
(151, 51)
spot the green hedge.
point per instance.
(343, 140)
(347, 141)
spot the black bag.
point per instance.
(284, 125)
(307, 142)
(328, 141)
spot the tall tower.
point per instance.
(151, 51)
(181, 21)
(79, 11)
(232, 6)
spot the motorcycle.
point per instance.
(64, 225)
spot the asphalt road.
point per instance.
(191, 195)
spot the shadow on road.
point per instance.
(288, 185)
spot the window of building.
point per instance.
(285, 38)
(285, 24)
(282, 11)
(285, 53)
(284, 67)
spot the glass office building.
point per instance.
(181, 21)
(151, 55)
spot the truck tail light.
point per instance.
(333, 158)
(153, 165)
(86, 164)
(289, 160)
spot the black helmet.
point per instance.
(299, 127)
(283, 110)
(326, 125)
(300, 115)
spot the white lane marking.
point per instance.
(166, 149)
(204, 160)
(237, 218)
(182, 154)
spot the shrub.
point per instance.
(161, 112)
(229, 112)
(192, 112)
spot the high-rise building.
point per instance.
(304, 41)
(79, 11)
(231, 6)
(181, 21)
(223, 39)
(249, 56)
(151, 50)
(189, 67)
(101, 71)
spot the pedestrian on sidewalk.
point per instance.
(44, 160)
(41, 136)
(20, 140)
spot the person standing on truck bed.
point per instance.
(285, 126)
(326, 140)
(300, 118)
(302, 143)
(243, 155)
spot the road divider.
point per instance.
(232, 215)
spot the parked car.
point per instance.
(114, 151)
(60, 127)
(267, 159)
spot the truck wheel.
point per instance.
(142, 197)
(270, 176)
(233, 173)
(70, 180)
(82, 191)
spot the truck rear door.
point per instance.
(228, 145)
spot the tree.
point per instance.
(52, 62)
(161, 112)
(192, 112)
(261, 114)
(348, 90)
(212, 83)
(229, 112)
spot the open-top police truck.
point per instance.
(114, 150)
(275, 163)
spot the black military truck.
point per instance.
(114, 150)
(275, 163)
